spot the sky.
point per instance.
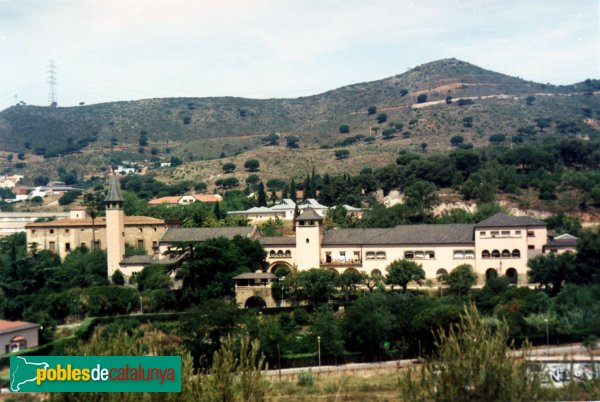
(115, 50)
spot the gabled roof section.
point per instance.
(203, 234)
(277, 241)
(255, 275)
(114, 190)
(565, 236)
(504, 220)
(351, 236)
(311, 203)
(309, 214)
(426, 234)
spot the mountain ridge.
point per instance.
(315, 118)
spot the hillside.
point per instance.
(196, 129)
(210, 126)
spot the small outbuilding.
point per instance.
(18, 335)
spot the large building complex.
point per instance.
(500, 245)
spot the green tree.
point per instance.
(457, 139)
(342, 154)
(530, 100)
(317, 284)
(325, 326)
(403, 92)
(292, 141)
(262, 196)
(68, 197)
(372, 110)
(369, 323)
(118, 278)
(252, 165)
(460, 280)
(228, 167)
(422, 98)
(420, 196)
(498, 138)
(382, 118)
(402, 272)
(472, 362)
(551, 270)
(344, 129)
(468, 121)
(271, 139)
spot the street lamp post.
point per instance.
(547, 338)
(319, 346)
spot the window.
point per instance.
(141, 229)
(495, 254)
(517, 232)
(485, 254)
(280, 253)
(140, 243)
(272, 253)
(52, 246)
(376, 272)
(440, 272)
(356, 255)
(288, 253)
(328, 256)
(307, 240)
(458, 254)
(429, 255)
(96, 246)
(506, 233)
(516, 253)
(66, 231)
(482, 233)
(82, 244)
(51, 231)
(495, 233)
(67, 247)
(343, 255)
(381, 255)
(33, 231)
(419, 255)
(530, 247)
(154, 228)
(409, 255)
(530, 233)
(505, 253)
(370, 255)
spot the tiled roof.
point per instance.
(564, 240)
(309, 214)
(256, 275)
(208, 197)
(12, 326)
(351, 236)
(146, 260)
(99, 222)
(165, 200)
(277, 241)
(403, 234)
(504, 220)
(114, 191)
(203, 234)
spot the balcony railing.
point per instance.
(341, 263)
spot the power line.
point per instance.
(52, 82)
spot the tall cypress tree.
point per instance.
(217, 211)
(262, 196)
(293, 191)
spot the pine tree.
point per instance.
(262, 196)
